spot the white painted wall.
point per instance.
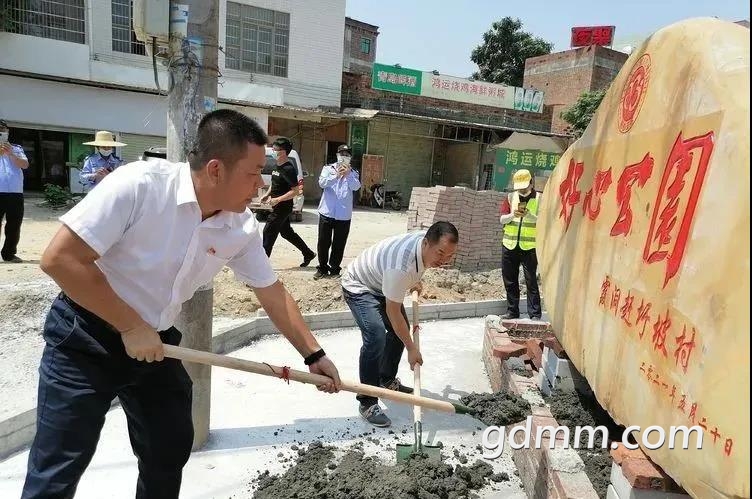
(315, 57)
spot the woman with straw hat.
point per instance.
(103, 161)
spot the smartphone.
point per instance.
(521, 206)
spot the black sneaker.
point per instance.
(13, 259)
(509, 316)
(535, 317)
(308, 259)
(397, 386)
(374, 415)
(333, 275)
(319, 275)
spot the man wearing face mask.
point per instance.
(338, 181)
(12, 163)
(103, 161)
(280, 195)
(519, 218)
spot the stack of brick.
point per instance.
(635, 476)
(474, 213)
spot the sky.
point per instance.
(441, 34)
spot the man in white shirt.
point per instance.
(126, 258)
(374, 287)
(12, 164)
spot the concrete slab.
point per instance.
(247, 410)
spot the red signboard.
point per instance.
(593, 35)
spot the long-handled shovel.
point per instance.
(213, 359)
(404, 451)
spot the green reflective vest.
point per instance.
(521, 229)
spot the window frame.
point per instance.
(257, 40)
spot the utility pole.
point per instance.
(192, 93)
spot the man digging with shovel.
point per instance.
(374, 286)
(126, 258)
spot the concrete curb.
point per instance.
(17, 432)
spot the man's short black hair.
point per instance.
(441, 229)
(284, 144)
(224, 135)
(3, 125)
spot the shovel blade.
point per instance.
(407, 451)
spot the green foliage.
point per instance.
(56, 196)
(501, 57)
(579, 115)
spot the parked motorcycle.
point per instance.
(380, 197)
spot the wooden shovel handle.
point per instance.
(213, 359)
(417, 413)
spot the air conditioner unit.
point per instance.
(151, 20)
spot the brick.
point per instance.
(535, 352)
(643, 474)
(504, 352)
(620, 453)
(552, 343)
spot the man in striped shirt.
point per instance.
(374, 287)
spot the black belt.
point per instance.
(85, 313)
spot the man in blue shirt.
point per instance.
(12, 163)
(103, 161)
(338, 181)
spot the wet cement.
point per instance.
(318, 473)
(573, 409)
(498, 409)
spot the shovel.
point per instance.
(404, 451)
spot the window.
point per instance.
(258, 40)
(123, 37)
(365, 45)
(56, 19)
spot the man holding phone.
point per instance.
(103, 161)
(12, 163)
(338, 181)
(519, 217)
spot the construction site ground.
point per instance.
(26, 292)
(259, 423)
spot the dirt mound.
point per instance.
(317, 474)
(498, 409)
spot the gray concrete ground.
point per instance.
(248, 409)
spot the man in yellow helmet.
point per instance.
(519, 216)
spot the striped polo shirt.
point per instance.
(389, 268)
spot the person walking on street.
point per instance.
(338, 181)
(374, 287)
(12, 164)
(103, 161)
(280, 195)
(126, 258)
(519, 218)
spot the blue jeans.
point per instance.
(382, 349)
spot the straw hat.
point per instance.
(521, 179)
(104, 139)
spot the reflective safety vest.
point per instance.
(521, 229)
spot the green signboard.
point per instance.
(510, 160)
(394, 79)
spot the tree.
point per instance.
(501, 57)
(580, 114)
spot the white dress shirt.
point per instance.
(144, 222)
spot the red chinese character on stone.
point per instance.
(569, 191)
(465, 87)
(715, 434)
(660, 329)
(601, 36)
(642, 367)
(639, 173)
(473, 88)
(728, 446)
(604, 290)
(435, 82)
(643, 315)
(693, 412)
(491, 92)
(582, 37)
(682, 403)
(591, 206)
(482, 90)
(650, 373)
(673, 393)
(626, 309)
(667, 225)
(704, 424)
(455, 86)
(684, 348)
(615, 300)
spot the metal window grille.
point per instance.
(56, 19)
(365, 45)
(258, 40)
(123, 37)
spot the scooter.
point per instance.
(381, 197)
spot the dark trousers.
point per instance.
(12, 209)
(278, 224)
(510, 271)
(340, 229)
(382, 349)
(84, 367)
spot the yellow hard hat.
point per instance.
(521, 179)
